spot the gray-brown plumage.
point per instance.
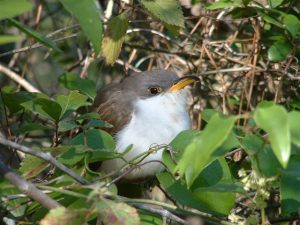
(114, 102)
(144, 108)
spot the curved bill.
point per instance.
(182, 82)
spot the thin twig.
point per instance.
(161, 211)
(36, 45)
(27, 188)
(45, 156)
(17, 78)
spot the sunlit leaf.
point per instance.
(223, 4)
(62, 215)
(275, 3)
(72, 101)
(167, 11)
(292, 24)
(32, 166)
(88, 16)
(279, 50)
(114, 37)
(114, 213)
(199, 153)
(274, 120)
(9, 8)
(5, 39)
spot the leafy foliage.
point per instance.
(240, 166)
(89, 19)
(167, 11)
(114, 37)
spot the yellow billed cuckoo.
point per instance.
(145, 108)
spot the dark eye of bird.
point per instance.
(154, 90)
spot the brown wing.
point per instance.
(114, 106)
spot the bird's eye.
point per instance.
(154, 90)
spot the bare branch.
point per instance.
(45, 156)
(17, 78)
(27, 188)
(161, 211)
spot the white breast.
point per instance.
(156, 120)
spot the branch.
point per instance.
(45, 156)
(161, 211)
(36, 45)
(27, 188)
(17, 78)
(173, 208)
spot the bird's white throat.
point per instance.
(155, 121)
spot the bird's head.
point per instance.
(157, 82)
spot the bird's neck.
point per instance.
(155, 120)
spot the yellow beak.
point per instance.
(183, 81)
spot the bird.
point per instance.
(146, 109)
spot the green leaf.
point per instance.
(62, 215)
(117, 213)
(88, 16)
(275, 3)
(167, 11)
(214, 187)
(32, 166)
(95, 139)
(207, 114)
(204, 194)
(36, 35)
(101, 155)
(92, 115)
(72, 81)
(97, 123)
(279, 50)
(294, 120)
(28, 127)
(274, 120)
(269, 19)
(178, 145)
(292, 24)
(72, 155)
(114, 37)
(5, 39)
(13, 101)
(72, 101)
(289, 190)
(9, 8)
(182, 140)
(176, 190)
(252, 144)
(64, 126)
(267, 162)
(149, 219)
(229, 144)
(223, 4)
(44, 107)
(199, 153)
